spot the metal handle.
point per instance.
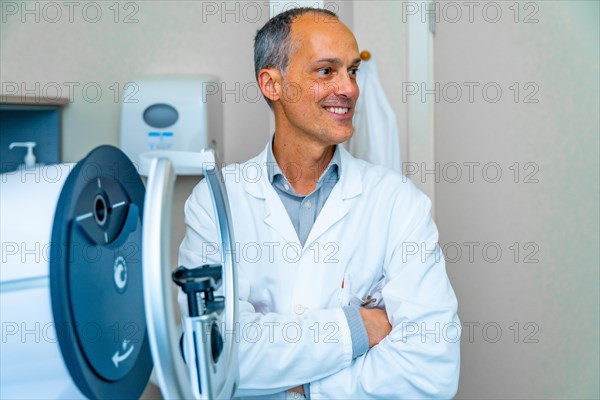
(172, 373)
(228, 375)
(158, 298)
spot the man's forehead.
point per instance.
(313, 33)
(316, 17)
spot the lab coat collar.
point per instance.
(350, 181)
(273, 168)
(275, 215)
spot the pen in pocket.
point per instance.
(345, 291)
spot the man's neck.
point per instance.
(301, 162)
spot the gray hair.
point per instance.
(272, 44)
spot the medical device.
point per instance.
(86, 293)
(211, 371)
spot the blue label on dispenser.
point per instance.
(160, 140)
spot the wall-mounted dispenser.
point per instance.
(171, 114)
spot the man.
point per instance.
(332, 302)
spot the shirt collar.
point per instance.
(273, 168)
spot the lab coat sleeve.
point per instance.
(420, 357)
(276, 352)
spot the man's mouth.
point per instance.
(338, 110)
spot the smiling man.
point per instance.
(343, 288)
(312, 92)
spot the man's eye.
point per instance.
(325, 71)
(353, 71)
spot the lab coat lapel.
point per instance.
(336, 207)
(276, 217)
(275, 214)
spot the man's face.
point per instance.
(319, 87)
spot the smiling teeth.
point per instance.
(337, 110)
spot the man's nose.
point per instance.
(346, 85)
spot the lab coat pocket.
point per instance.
(344, 297)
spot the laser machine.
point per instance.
(86, 303)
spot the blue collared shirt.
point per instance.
(303, 210)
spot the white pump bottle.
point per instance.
(29, 157)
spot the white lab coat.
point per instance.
(376, 138)
(292, 328)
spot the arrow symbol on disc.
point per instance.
(117, 358)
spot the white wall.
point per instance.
(162, 38)
(42, 53)
(549, 208)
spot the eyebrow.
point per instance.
(337, 61)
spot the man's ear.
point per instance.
(269, 82)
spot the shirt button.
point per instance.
(299, 309)
(308, 204)
(286, 186)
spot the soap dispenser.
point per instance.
(29, 157)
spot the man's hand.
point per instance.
(376, 323)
